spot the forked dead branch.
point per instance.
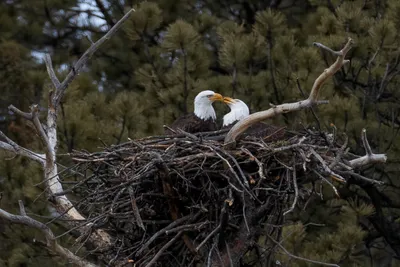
(187, 198)
(48, 135)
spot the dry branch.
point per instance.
(60, 90)
(13, 147)
(312, 100)
(51, 241)
(370, 157)
(98, 237)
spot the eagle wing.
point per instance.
(262, 130)
(192, 124)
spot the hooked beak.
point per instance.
(228, 100)
(217, 97)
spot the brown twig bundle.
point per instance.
(179, 199)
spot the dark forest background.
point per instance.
(148, 74)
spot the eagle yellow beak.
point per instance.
(228, 100)
(217, 97)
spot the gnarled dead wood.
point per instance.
(51, 241)
(312, 100)
(48, 135)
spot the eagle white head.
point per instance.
(239, 111)
(203, 104)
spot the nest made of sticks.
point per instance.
(173, 199)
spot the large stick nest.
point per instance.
(175, 200)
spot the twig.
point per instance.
(11, 146)
(296, 191)
(24, 115)
(84, 58)
(50, 238)
(163, 230)
(300, 258)
(325, 166)
(228, 252)
(213, 232)
(50, 71)
(165, 247)
(187, 227)
(326, 180)
(370, 157)
(135, 209)
(39, 128)
(336, 53)
(359, 176)
(21, 208)
(259, 163)
(312, 108)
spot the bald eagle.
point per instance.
(239, 111)
(202, 119)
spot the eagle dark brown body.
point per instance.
(262, 130)
(192, 124)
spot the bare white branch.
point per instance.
(50, 71)
(11, 146)
(370, 157)
(49, 138)
(24, 115)
(296, 192)
(312, 100)
(41, 132)
(366, 145)
(60, 90)
(51, 241)
(326, 168)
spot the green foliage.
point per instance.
(147, 19)
(180, 35)
(338, 241)
(270, 23)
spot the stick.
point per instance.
(165, 247)
(296, 192)
(312, 100)
(300, 258)
(51, 241)
(370, 157)
(60, 90)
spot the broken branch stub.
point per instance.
(312, 100)
(369, 157)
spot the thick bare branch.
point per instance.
(370, 157)
(24, 115)
(49, 139)
(11, 146)
(49, 235)
(60, 90)
(41, 132)
(54, 186)
(312, 100)
(50, 71)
